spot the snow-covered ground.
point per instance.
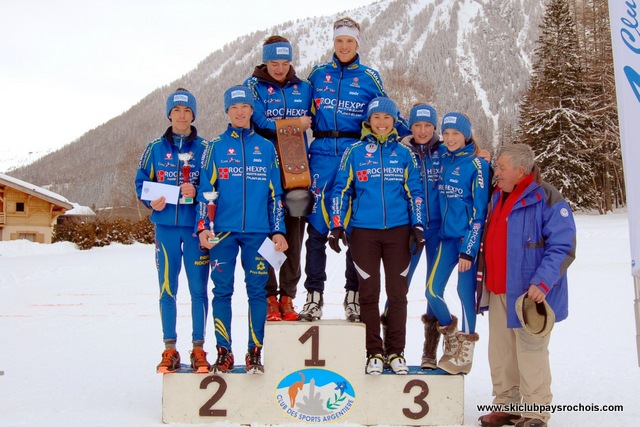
(80, 333)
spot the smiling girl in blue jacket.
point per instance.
(464, 196)
(379, 195)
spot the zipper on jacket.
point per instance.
(425, 173)
(446, 209)
(284, 101)
(384, 205)
(181, 139)
(177, 175)
(244, 180)
(335, 112)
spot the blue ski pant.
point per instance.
(446, 259)
(316, 263)
(223, 264)
(175, 245)
(324, 169)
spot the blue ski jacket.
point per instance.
(428, 157)
(160, 163)
(464, 197)
(541, 243)
(341, 94)
(243, 168)
(275, 100)
(378, 185)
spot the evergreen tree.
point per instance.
(604, 110)
(554, 119)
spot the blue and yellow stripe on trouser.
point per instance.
(223, 263)
(175, 245)
(446, 259)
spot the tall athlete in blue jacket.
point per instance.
(379, 194)
(342, 89)
(464, 196)
(279, 94)
(242, 167)
(175, 240)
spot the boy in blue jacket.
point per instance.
(242, 167)
(280, 94)
(342, 89)
(175, 240)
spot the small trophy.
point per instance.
(211, 211)
(186, 173)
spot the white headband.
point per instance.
(347, 31)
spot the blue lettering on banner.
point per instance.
(631, 38)
(634, 80)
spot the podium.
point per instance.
(314, 374)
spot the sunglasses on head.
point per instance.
(345, 22)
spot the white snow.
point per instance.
(80, 333)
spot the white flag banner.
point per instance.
(625, 34)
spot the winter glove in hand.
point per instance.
(334, 237)
(416, 237)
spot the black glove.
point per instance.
(416, 237)
(334, 237)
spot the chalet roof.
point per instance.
(36, 191)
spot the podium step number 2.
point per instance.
(314, 374)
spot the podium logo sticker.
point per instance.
(315, 396)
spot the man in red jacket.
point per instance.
(530, 241)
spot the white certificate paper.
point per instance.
(273, 257)
(154, 190)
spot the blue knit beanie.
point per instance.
(459, 122)
(182, 97)
(382, 104)
(277, 51)
(423, 113)
(237, 95)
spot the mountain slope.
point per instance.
(463, 55)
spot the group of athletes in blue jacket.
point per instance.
(382, 186)
(370, 187)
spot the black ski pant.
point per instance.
(391, 246)
(290, 271)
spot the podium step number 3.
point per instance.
(314, 374)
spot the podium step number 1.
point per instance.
(314, 374)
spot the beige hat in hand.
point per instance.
(537, 318)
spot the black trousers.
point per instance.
(368, 248)
(290, 272)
